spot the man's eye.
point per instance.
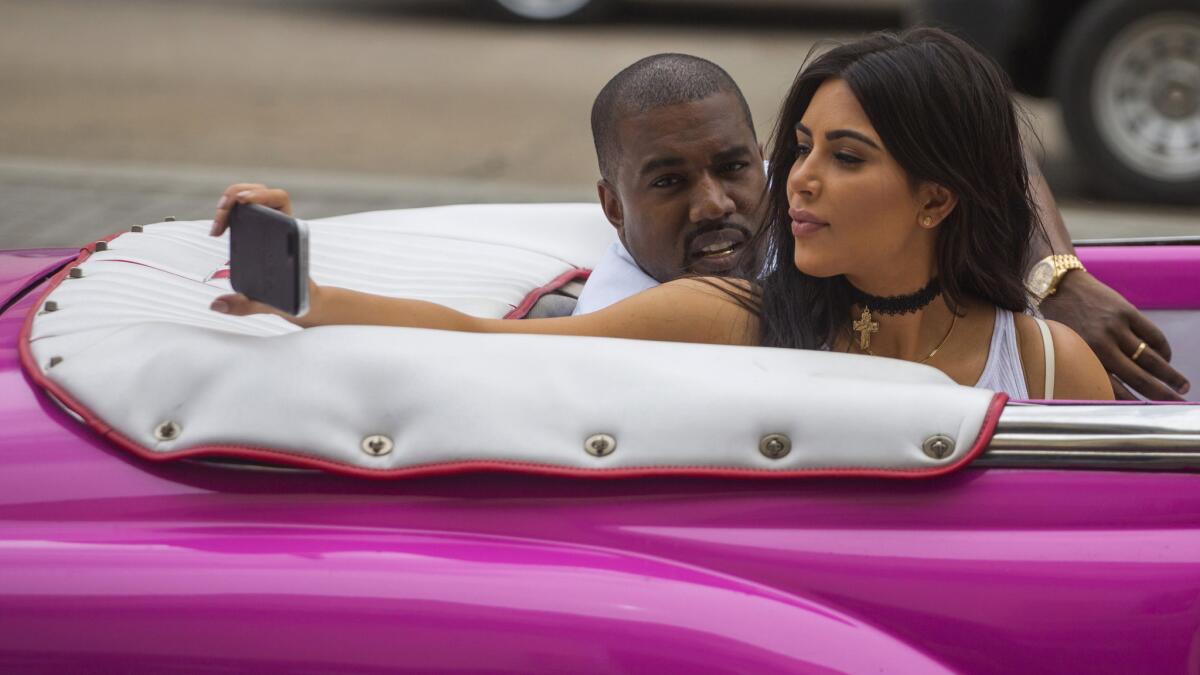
(733, 167)
(666, 182)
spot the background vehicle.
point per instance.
(1127, 73)
(579, 10)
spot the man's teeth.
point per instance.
(719, 248)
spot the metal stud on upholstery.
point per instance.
(75, 273)
(600, 445)
(938, 446)
(775, 446)
(167, 431)
(377, 445)
(101, 246)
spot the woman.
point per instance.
(898, 224)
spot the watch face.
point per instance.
(1040, 278)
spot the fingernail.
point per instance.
(244, 193)
(220, 306)
(221, 204)
(212, 231)
(1184, 388)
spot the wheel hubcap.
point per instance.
(543, 10)
(1146, 97)
(1176, 100)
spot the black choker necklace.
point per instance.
(890, 304)
(897, 304)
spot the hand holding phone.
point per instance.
(268, 257)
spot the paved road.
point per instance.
(122, 111)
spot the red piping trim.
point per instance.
(290, 458)
(536, 294)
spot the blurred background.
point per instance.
(116, 112)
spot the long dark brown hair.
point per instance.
(943, 110)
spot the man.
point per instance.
(682, 180)
(681, 175)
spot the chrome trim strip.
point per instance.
(1094, 453)
(1097, 462)
(1156, 418)
(1174, 240)
(1096, 442)
(1142, 437)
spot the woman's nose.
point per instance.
(803, 180)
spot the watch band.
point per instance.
(1063, 263)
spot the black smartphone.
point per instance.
(268, 257)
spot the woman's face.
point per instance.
(853, 209)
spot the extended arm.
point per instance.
(688, 310)
(1110, 325)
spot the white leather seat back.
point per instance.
(133, 349)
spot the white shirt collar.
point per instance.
(614, 278)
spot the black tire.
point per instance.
(572, 11)
(1100, 93)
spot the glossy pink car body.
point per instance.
(110, 563)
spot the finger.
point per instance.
(1119, 389)
(228, 197)
(270, 197)
(237, 304)
(1142, 382)
(1151, 333)
(1158, 367)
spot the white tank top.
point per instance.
(1004, 370)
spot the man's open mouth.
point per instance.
(715, 250)
(718, 249)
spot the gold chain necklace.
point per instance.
(953, 320)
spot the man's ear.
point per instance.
(610, 201)
(937, 203)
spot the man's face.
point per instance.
(688, 187)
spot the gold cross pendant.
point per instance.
(864, 327)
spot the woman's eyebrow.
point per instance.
(839, 133)
(850, 133)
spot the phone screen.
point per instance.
(268, 257)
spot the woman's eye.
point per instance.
(845, 158)
(802, 149)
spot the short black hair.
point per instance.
(653, 82)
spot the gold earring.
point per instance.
(925, 221)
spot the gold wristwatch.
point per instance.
(1045, 275)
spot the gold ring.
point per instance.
(1138, 352)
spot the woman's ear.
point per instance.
(937, 201)
(610, 201)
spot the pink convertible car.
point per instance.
(183, 491)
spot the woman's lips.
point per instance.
(805, 223)
(803, 228)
